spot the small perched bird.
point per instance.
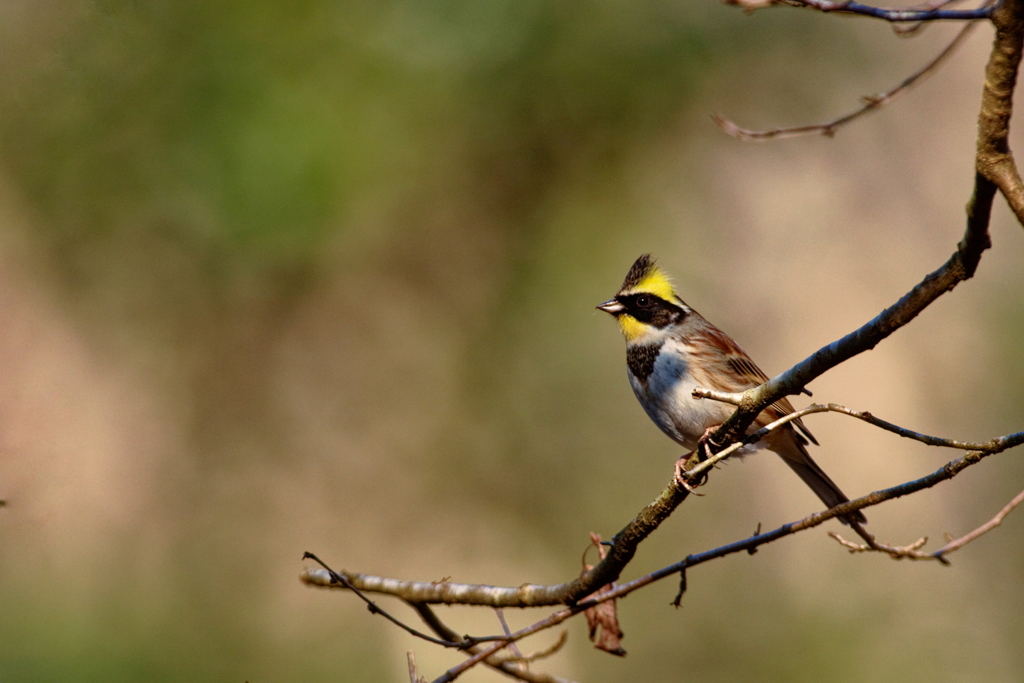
(671, 349)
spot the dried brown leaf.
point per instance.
(603, 619)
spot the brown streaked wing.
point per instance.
(730, 369)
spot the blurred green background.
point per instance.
(320, 276)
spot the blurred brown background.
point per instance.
(320, 276)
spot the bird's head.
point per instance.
(646, 304)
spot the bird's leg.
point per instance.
(681, 477)
(705, 442)
(686, 461)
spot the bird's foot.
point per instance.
(705, 443)
(682, 477)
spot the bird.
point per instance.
(671, 350)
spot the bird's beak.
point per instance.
(612, 306)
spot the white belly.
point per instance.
(669, 402)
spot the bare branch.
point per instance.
(330, 578)
(849, 7)
(995, 168)
(606, 571)
(334, 577)
(913, 552)
(983, 529)
(507, 631)
(563, 638)
(472, 594)
(896, 552)
(414, 676)
(994, 159)
(911, 29)
(960, 266)
(871, 103)
(484, 653)
(735, 399)
(507, 665)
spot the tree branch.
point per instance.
(960, 266)
(913, 551)
(620, 553)
(871, 103)
(994, 158)
(946, 472)
(735, 399)
(890, 15)
(958, 543)
(507, 666)
(493, 596)
(996, 168)
(910, 29)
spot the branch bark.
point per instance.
(529, 595)
(996, 169)
(994, 159)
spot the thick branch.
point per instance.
(527, 595)
(995, 168)
(960, 266)
(995, 160)
(948, 471)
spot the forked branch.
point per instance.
(495, 596)
(913, 551)
(995, 170)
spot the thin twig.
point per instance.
(563, 638)
(891, 15)
(897, 552)
(340, 578)
(505, 629)
(983, 529)
(735, 399)
(944, 473)
(484, 653)
(909, 30)
(506, 665)
(414, 676)
(871, 103)
(913, 552)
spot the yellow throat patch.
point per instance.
(631, 327)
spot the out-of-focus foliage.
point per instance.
(320, 276)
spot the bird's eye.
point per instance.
(643, 301)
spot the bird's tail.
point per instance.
(825, 488)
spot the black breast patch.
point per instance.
(641, 358)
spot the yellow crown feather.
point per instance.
(646, 276)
